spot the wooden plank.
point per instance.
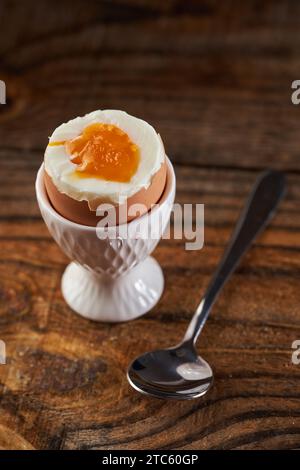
(214, 79)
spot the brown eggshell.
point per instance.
(79, 211)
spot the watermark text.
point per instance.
(295, 97)
(188, 223)
(2, 92)
(296, 352)
(2, 352)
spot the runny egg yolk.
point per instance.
(104, 151)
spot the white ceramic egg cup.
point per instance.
(112, 278)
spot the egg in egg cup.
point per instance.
(111, 277)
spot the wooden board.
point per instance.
(215, 79)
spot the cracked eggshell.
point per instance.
(80, 213)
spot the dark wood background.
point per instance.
(214, 78)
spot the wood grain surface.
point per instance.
(214, 78)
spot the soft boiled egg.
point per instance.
(105, 157)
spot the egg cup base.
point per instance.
(113, 300)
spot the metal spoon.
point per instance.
(179, 372)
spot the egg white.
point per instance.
(95, 190)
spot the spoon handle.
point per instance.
(263, 201)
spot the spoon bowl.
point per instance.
(177, 373)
